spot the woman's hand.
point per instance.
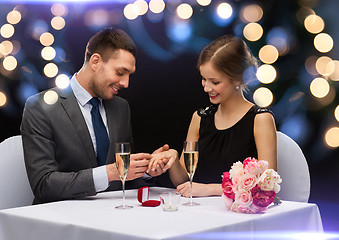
(161, 161)
(199, 189)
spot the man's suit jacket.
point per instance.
(58, 149)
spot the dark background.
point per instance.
(166, 88)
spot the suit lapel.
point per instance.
(70, 105)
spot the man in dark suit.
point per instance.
(61, 145)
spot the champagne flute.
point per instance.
(122, 161)
(191, 161)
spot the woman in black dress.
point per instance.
(229, 130)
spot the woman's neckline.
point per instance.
(223, 129)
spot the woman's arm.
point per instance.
(265, 135)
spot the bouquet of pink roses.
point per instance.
(250, 187)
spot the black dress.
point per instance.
(219, 149)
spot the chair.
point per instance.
(293, 170)
(14, 185)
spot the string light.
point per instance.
(204, 2)
(319, 87)
(156, 6)
(253, 32)
(263, 97)
(3, 99)
(7, 30)
(131, 11)
(46, 39)
(51, 97)
(142, 6)
(332, 137)
(268, 54)
(266, 73)
(14, 17)
(58, 23)
(10, 63)
(224, 10)
(323, 42)
(184, 11)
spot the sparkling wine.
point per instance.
(191, 160)
(122, 162)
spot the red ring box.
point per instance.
(143, 198)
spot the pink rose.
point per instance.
(228, 201)
(247, 181)
(262, 198)
(254, 166)
(243, 198)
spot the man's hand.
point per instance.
(137, 168)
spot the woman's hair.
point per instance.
(230, 55)
(107, 41)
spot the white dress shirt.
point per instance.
(100, 177)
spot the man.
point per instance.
(62, 143)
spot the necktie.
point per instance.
(101, 136)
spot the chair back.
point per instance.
(293, 170)
(14, 185)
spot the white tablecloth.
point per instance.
(96, 218)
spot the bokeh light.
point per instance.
(58, 23)
(303, 12)
(51, 70)
(323, 42)
(50, 97)
(224, 10)
(251, 13)
(319, 87)
(10, 63)
(131, 11)
(59, 9)
(336, 113)
(48, 53)
(279, 38)
(184, 11)
(310, 65)
(204, 2)
(46, 39)
(7, 30)
(263, 97)
(332, 137)
(6, 47)
(180, 31)
(324, 66)
(268, 54)
(62, 81)
(142, 6)
(3, 99)
(253, 31)
(266, 74)
(13, 17)
(335, 74)
(314, 24)
(156, 6)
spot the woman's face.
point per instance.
(216, 84)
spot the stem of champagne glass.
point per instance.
(123, 194)
(191, 197)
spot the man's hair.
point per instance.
(107, 41)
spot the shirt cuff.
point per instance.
(100, 178)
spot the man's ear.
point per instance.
(95, 61)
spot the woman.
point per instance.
(230, 130)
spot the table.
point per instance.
(96, 218)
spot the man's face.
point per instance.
(111, 76)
